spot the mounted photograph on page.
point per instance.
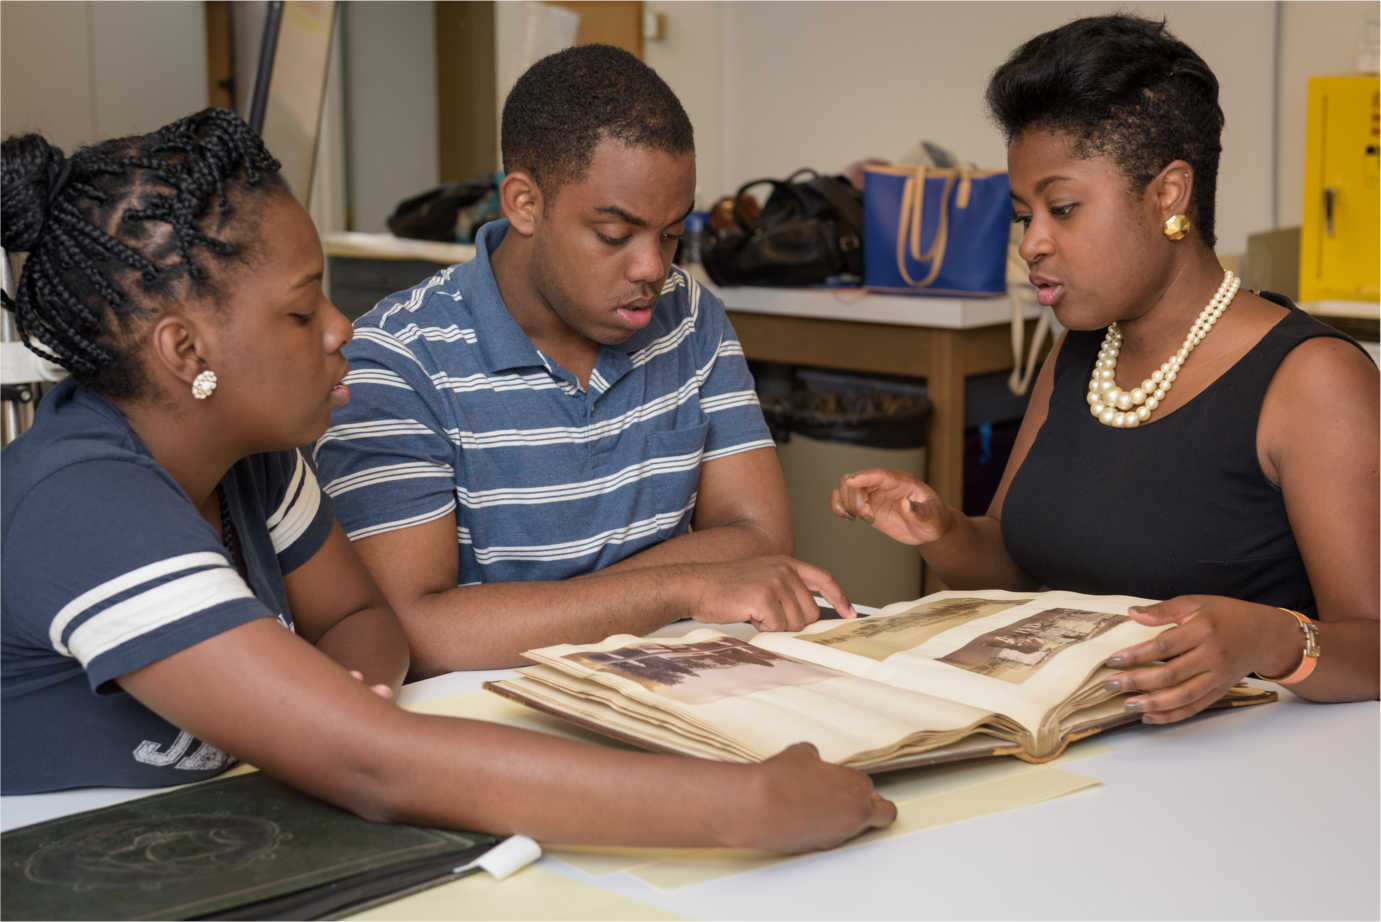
(951, 676)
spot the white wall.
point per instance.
(86, 71)
(691, 60)
(775, 86)
(390, 55)
(83, 72)
(769, 86)
(823, 84)
(688, 59)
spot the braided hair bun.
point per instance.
(30, 168)
(121, 228)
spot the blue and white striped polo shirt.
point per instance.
(453, 411)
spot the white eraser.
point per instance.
(510, 855)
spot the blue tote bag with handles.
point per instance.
(936, 231)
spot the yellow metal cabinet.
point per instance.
(1338, 237)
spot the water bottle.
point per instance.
(694, 237)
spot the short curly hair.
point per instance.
(567, 103)
(1120, 86)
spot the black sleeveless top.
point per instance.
(1175, 506)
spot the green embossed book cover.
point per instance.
(243, 847)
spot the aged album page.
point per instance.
(718, 687)
(1021, 655)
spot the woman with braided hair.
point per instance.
(176, 589)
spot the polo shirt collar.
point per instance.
(502, 344)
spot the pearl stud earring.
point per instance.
(204, 384)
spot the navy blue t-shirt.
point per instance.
(107, 567)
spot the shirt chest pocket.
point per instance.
(671, 467)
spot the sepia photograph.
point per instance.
(879, 638)
(699, 673)
(1016, 652)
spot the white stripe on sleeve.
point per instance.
(371, 530)
(728, 401)
(299, 508)
(371, 476)
(736, 449)
(155, 608)
(125, 581)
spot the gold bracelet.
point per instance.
(1308, 660)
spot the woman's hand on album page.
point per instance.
(1214, 643)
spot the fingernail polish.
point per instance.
(1113, 685)
(1115, 661)
(1134, 704)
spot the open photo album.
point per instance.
(950, 676)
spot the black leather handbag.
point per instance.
(810, 231)
(434, 214)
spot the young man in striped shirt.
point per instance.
(559, 440)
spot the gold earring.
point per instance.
(1176, 226)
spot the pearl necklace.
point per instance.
(1111, 405)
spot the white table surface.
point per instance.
(1268, 812)
(387, 246)
(830, 303)
(863, 306)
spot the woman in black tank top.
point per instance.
(1186, 440)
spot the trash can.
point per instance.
(827, 425)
